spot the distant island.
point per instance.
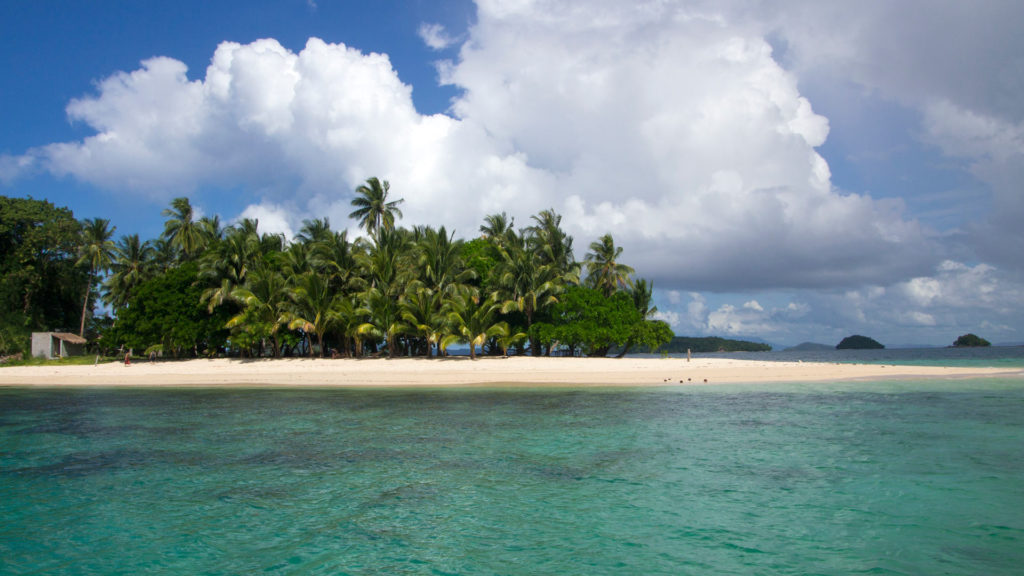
(858, 342)
(680, 344)
(809, 347)
(971, 341)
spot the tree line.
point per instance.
(203, 289)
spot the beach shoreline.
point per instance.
(463, 372)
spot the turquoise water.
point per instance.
(882, 478)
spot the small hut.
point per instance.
(57, 344)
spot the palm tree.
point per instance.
(96, 252)
(525, 285)
(263, 299)
(384, 319)
(497, 227)
(314, 231)
(313, 308)
(475, 320)
(295, 260)
(350, 317)
(181, 229)
(131, 267)
(604, 272)
(211, 230)
(339, 259)
(227, 265)
(389, 269)
(553, 245)
(163, 255)
(440, 261)
(373, 211)
(422, 316)
(508, 339)
(642, 293)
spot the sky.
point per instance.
(786, 170)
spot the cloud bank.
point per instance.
(671, 125)
(681, 136)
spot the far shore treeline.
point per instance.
(204, 289)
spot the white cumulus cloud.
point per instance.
(673, 128)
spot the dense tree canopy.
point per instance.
(167, 312)
(42, 286)
(201, 288)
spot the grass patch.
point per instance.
(69, 361)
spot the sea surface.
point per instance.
(994, 356)
(906, 477)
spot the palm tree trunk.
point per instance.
(85, 304)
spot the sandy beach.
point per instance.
(460, 371)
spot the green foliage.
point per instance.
(13, 340)
(167, 310)
(41, 288)
(858, 342)
(411, 290)
(651, 334)
(481, 256)
(372, 209)
(585, 319)
(96, 254)
(604, 270)
(971, 341)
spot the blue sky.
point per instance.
(786, 170)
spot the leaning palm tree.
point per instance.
(604, 271)
(96, 253)
(182, 230)
(373, 211)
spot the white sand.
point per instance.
(516, 371)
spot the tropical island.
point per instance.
(971, 341)
(708, 344)
(203, 289)
(858, 342)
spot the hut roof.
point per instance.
(69, 337)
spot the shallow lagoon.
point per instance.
(888, 478)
